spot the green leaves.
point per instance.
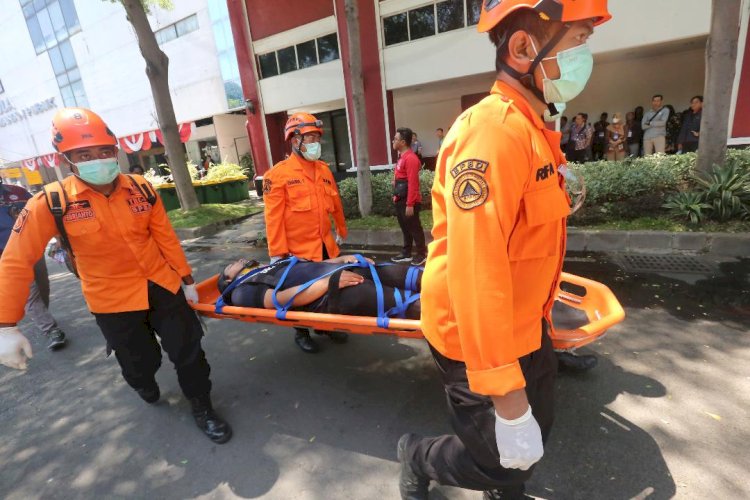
(688, 205)
(382, 194)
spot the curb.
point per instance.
(189, 233)
(592, 240)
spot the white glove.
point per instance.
(191, 294)
(339, 239)
(519, 441)
(14, 348)
(277, 258)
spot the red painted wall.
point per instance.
(741, 126)
(368, 26)
(245, 60)
(275, 125)
(268, 17)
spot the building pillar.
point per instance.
(255, 125)
(373, 79)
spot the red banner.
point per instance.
(145, 140)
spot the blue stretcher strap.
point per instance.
(220, 302)
(281, 310)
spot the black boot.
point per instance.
(507, 493)
(336, 337)
(56, 338)
(303, 340)
(411, 486)
(150, 393)
(576, 363)
(208, 421)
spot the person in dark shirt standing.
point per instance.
(691, 127)
(599, 145)
(407, 199)
(633, 133)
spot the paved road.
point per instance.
(664, 415)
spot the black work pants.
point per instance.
(689, 147)
(411, 228)
(469, 459)
(131, 335)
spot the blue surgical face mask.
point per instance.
(312, 151)
(576, 65)
(98, 172)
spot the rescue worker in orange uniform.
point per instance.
(500, 208)
(301, 197)
(129, 260)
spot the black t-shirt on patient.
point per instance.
(252, 292)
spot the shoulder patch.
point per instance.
(470, 188)
(23, 216)
(266, 185)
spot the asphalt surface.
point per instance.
(665, 414)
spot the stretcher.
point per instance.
(597, 302)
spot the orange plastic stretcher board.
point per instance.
(598, 303)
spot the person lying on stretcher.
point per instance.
(344, 285)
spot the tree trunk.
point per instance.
(721, 62)
(359, 113)
(157, 67)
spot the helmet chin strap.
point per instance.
(527, 79)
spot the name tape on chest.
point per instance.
(79, 210)
(470, 188)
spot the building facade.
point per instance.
(56, 53)
(423, 63)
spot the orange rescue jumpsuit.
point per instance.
(300, 198)
(120, 243)
(499, 210)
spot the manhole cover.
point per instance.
(664, 263)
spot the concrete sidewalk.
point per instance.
(250, 230)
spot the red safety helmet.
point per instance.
(74, 128)
(301, 124)
(494, 11)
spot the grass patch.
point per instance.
(384, 222)
(208, 214)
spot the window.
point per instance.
(300, 56)
(187, 25)
(395, 29)
(328, 48)
(287, 60)
(422, 22)
(268, 66)
(166, 35)
(473, 11)
(49, 22)
(450, 15)
(307, 54)
(176, 30)
(439, 17)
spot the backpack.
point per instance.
(57, 202)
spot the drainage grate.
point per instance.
(664, 263)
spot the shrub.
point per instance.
(610, 181)
(727, 191)
(248, 168)
(224, 171)
(382, 194)
(688, 205)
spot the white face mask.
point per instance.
(615, 120)
(312, 151)
(576, 65)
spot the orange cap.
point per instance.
(75, 128)
(494, 11)
(300, 124)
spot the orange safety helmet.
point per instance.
(494, 11)
(74, 128)
(300, 124)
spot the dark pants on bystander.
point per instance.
(469, 459)
(411, 228)
(131, 336)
